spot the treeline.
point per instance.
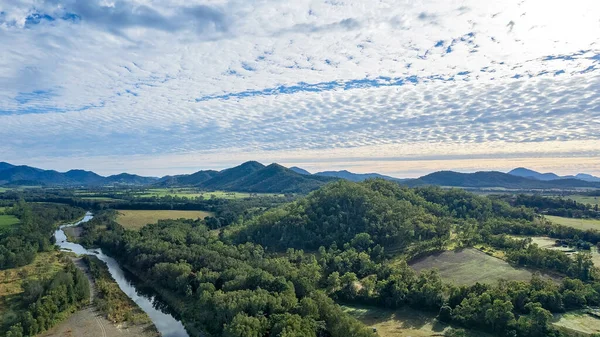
(34, 233)
(46, 303)
(564, 207)
(227, 211)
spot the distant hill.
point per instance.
(230, 178)
(531, 174)
(4, 166)
(356, 177)
(13, 175)
(187, 179)
(130, 179)
(496, 179)
(300, 170)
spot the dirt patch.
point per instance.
(89, 322)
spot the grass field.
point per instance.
(194, 193)
(100, 198)
(583, 224)
(403, 322)
(577, 321)
(585, 199)
(7, 221)
(468, 266)
(136, 219)
(44, 266)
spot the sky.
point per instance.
(403, 87)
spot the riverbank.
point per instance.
(164, 323)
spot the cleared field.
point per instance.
(548, 243)
(7, 221)
(403, 322)
(136, 219)
(579, 322)
(468, 266)
(585, 199)
(100, 198)
(583, 224)
(194, 193)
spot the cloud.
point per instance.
(149, 78)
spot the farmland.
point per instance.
(7, 221)
(195, 193)
(136, 219)
(578, 323)
(468, 266)
(583, 224)
(402, 322)
(585, 199)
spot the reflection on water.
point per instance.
(166, 324)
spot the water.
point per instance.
(166, 324)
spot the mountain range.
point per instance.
(343, 174)
(527, 173)
(255, 177)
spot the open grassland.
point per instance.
(44, 266)
(7, 221)
(108, 199)
(549, 243)
(583, 224)
(194, 193)
(400, 323)
(577, 323)
(585, 199)
(468, 266)
(136, 219)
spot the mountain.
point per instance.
(230, 178)
(130, 179)
(300, 170)
(587, 177)
(26, 175)
(356, 177)
(255, 177)
(527, 173)
(187, 179)
(4, 166)
(496, 179)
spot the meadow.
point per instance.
(136, 219)
(585, 199)
(583, 224)
(194, 193)
(7, 221)
(469, 266)
(402, 322)
(577, 323)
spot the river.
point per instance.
(166, 324)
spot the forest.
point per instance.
(284, 266)
(285, 271)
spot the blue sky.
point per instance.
(399, 87)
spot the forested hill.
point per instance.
(496, 179)
(391, 215)
(251, 176)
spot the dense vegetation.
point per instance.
(281, 270)
(254, 279)
(37, 223)
(554, 206)
(46, 302)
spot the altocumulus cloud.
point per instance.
(151, 78)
